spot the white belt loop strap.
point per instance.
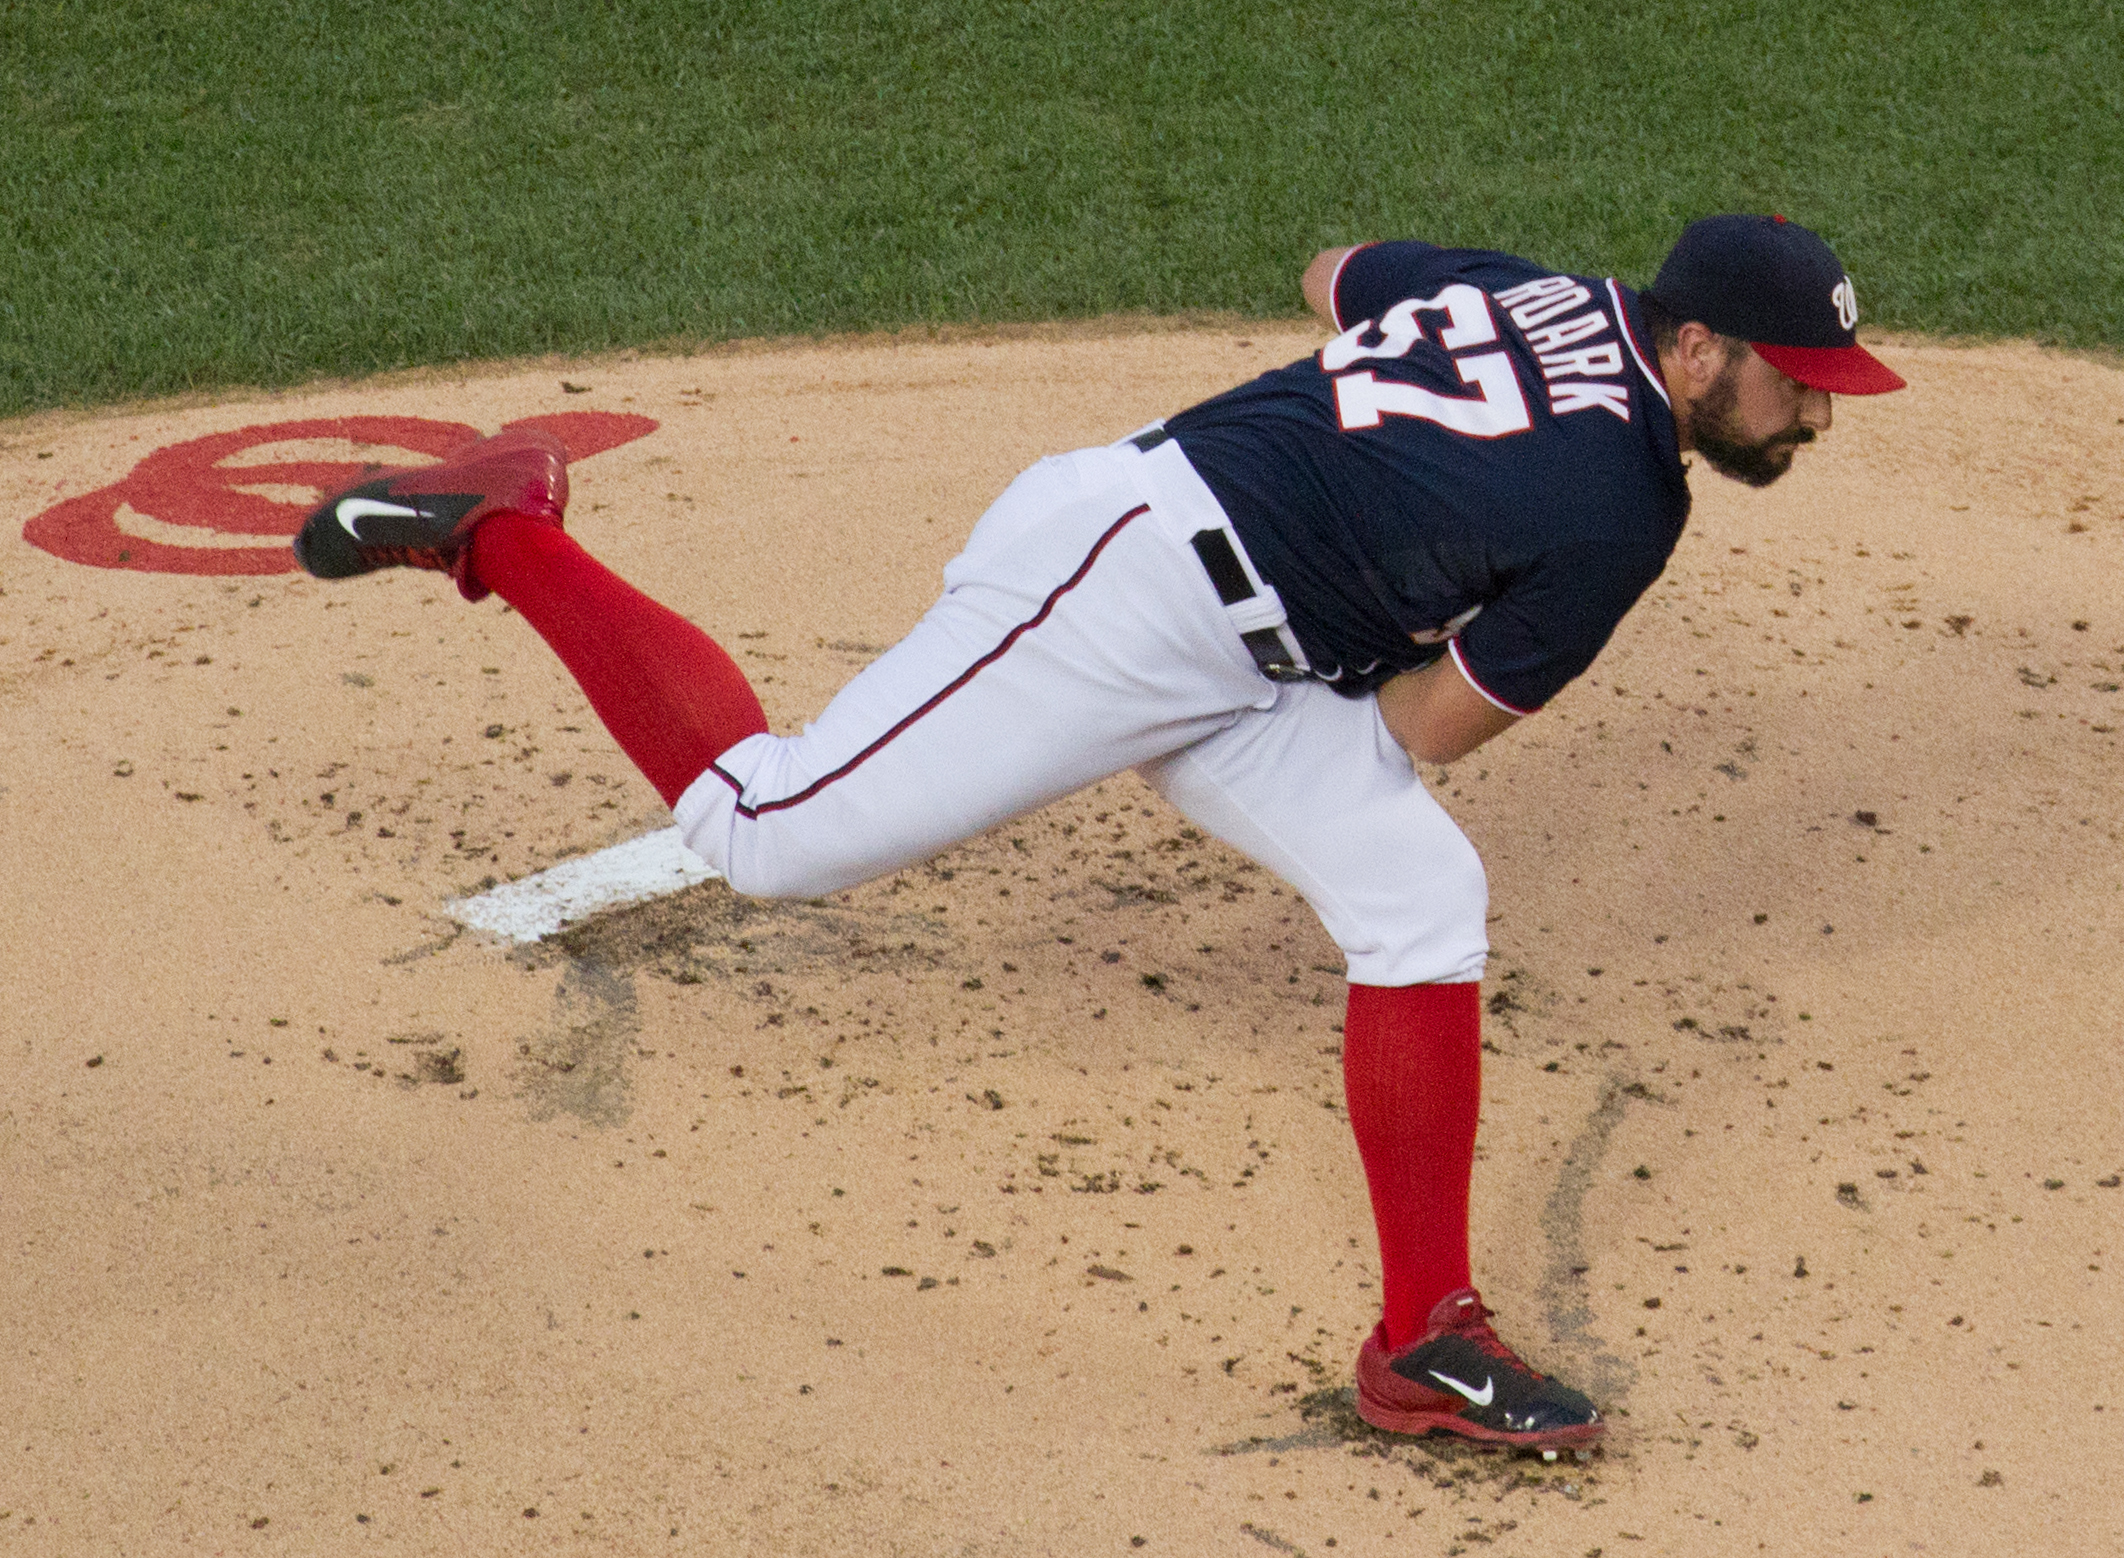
(1183, 502)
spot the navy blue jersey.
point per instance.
(1483, 462)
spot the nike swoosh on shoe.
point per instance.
(1481, 1398)
(349, 510)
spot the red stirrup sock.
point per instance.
(671, 698)
(1412, 1071)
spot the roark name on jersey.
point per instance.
(1582, 369)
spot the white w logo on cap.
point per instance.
(1846, 301)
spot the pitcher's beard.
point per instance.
(1711, 422)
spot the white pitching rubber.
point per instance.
(536, 906)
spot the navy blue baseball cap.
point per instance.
(1778, 287)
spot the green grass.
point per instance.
(259, 191)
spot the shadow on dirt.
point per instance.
(578, 1064)
(708, 931)
(1451, 1466)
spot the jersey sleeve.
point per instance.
(1375, 276)
(1550, 622)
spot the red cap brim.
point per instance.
(1841, 370)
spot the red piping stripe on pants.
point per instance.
(1046, 609)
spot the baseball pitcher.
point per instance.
(1273, 606)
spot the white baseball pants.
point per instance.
(1079, 634)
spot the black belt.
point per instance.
(1229, 576)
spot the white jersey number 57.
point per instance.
(1362, 400)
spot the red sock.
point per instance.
(672, 699)
(1412, 1071)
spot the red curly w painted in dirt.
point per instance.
(228, 503)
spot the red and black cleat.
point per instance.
(1459, 1378)
(423, 516)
